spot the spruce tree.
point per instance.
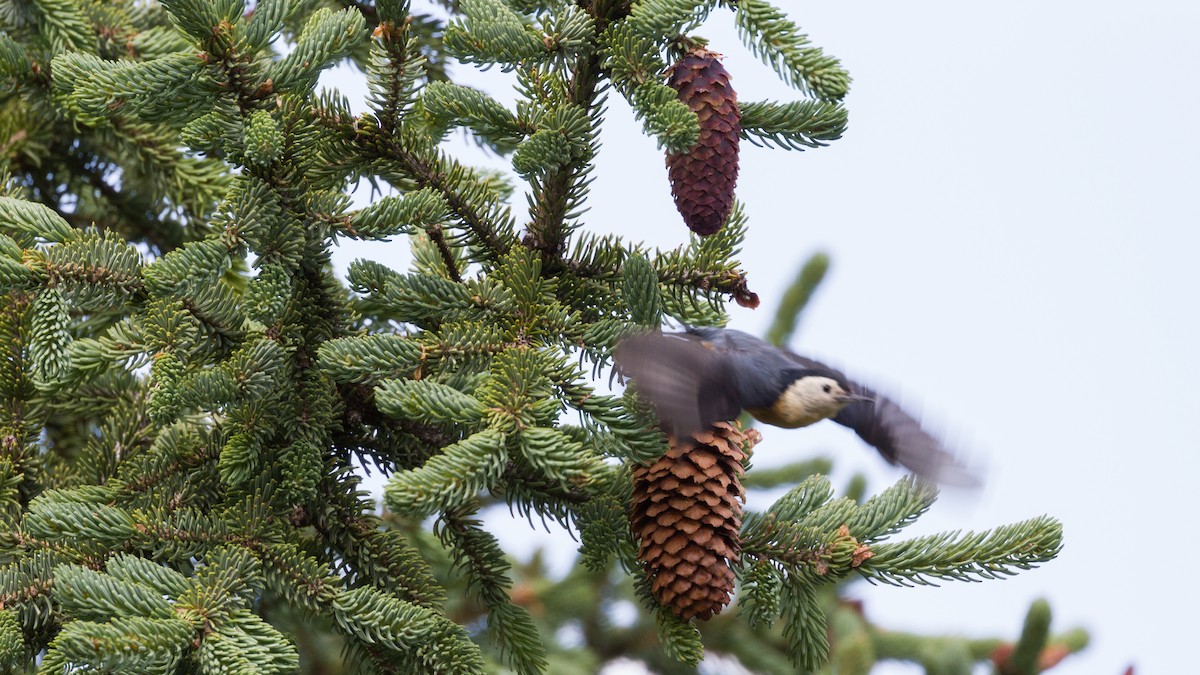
(188, 392)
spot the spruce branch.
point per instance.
(420, 209)
(24, 221)
(449, 259)
(198, 19)
(446, 104)
(804, 626)
(27, 581)
(327, 36)
(668, 18)
(165, 460)
(634, 65)
(1034, 636)
(133, 643)
(807, 540)
(679, 638)
(992, 554)
(419, 637)
(397, 68)
(429, 402)
(382, 557)
(490, 32)
(560, 193)
(891, 510)
(795, 125)
(796, 298)
(671, 273)
(479, 556)
(173, 88)
(90, 262)
(778, 41)
(451, 478)
(491, 226)
(797, 472)
(65, 25)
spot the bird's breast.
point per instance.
(794, 408)
(776, 417)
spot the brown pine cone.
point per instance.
(687, 513)
(702, 179)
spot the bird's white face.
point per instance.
(809, 399)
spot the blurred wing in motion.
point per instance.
(689, 384)
(899, 437)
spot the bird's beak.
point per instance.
(851, 398)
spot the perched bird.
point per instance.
(707, 375)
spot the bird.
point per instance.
(705, 375)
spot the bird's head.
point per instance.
(811, 397)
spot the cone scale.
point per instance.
(703, 179)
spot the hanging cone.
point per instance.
(687, 514)
(702, 179)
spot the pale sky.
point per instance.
(1013, 221)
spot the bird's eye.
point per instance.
(827, 388)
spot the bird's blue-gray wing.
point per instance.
(759, 371)
(689, 384)
(895, 433)
(901, 439)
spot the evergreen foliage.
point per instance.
(186, 389)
